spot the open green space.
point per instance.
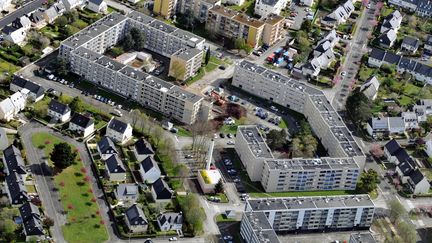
(182, 132)
(223, 218)
(247, 7)
(84, 223)
(199, 75)
(283, 124)
(222, 196)
(210, 67)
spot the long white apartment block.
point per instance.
(84, 51)
(304, 214)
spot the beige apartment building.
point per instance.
(185, 63)
(84, 53)
(233, 25)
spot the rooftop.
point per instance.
(255, 142)
(261, 227)
(312, 164)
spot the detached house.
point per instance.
(98, 6)
(410, 44)
(115, 168)
(394, 152)
(13, 161)
(37, 19)
(387, 39)
(16, 191)
(161, 191)
(126, 193)
(106, 148)
(14, 35)
(142, 149)
(71, 4)
(411, 176)
(370, 88)
(170, 221)
(36, 92)
(32, 223)
(50, 14)
(392, 21)
(59, 111)
(119, 131)
(339, 15)
(81, 124)
(149, 170)
(135, 219)
(11, 106)
(22, 23)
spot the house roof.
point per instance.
(411, 41)
(171, 218)
(51, 13)
(388, 37)
(16, 188)
(393, 20)
(135, 215)
(396, 122)
(37, 17)
(33, 226)
(392, 58)
(96, 2)
(142, 147)
(423, 70)
(115, 165)
(27, 84)
(106, 146)
(117, 125)
(148, 163)
(127, 189)
(428, 40)
(371, 86)
(161, 189)
(28, 210)
(392, 147)
(58, 107)
(9, 29)
(81, 120)
(407, 166)
(416, 176)
(21, 22)
(377, 53)
(13, 159)
(407, 64)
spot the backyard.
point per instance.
(84, 223)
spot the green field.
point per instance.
(84, 223)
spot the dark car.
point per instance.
(222, 67)
(222, 135)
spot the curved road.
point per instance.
(28, 8)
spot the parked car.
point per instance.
(222, 135)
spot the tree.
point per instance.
(306, 25)
(48, 222)
(7, 229)
(157, 134)
(193, 212)
(62, 155)
(41, 111)
(181, 170)
(368, 181)
(304, 144)
(407, 232)
(128, 42)
(61, 21)
(77, 105)
(138, 37)
(135, 115)
(376, 150)
(207, 56)
(358, 107)
(396, 210)
(276, 139)
(219, 187)
(239, 43)
(61, 66)
(177, 70)
(71, 16)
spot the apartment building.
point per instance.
(255, 228)
(165, 8)
(84, 51)
(185, 63)
(199, 8)
(305, 214)
(265, 7)
(273, 29)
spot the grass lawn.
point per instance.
(283, 124)
(99, 124)
(427, 173)
(405, 100)
(223, 218)
(84, 224)
(210, 67)
(410, 89)
(31, 189)
(229, 129)
(198, 76)
(182, 132)
(216, 60)
(222, 196)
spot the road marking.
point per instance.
(410, 204)
(176, 139)
(208, 206)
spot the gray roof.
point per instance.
(81, 120)
(411, 41)
(142, 147)
(187, 54)
(171, 218)
(58, 107)
(377, 53)
(148, 163)
(51, 13)
(96, 2)
(16, 188)
(28, 210)
(162, 189)
(127, 190)
(135, 215)
(393, 20)
(21, 22)
(106, 146)
(261, 228)
(37, 17)
(13, 160)
(117, 125)
(388, 37)
(392, 58)
(27, 84)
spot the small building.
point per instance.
(149, 170)
(81, 124)
(59, 111)
(208, 179)
(142, 149)
(36, 92)
(392, 21)
(394, 152)
(32, 223)
(370, 88)
(22, 22)
(410, 44)
(98, 6)
(388, 38)
(115, 168)
(161, 191)
(135, 219)
(15, 189)
(385, 126)
(170, 221)
(127, 194)
(14, 35)
(50, 15)
(13, 161)
(37, 19)
(106, 148)
(118, 131)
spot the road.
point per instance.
(28, 8)
(356, 49)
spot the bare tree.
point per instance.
(135, 115)
(157, 133)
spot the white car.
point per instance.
(230, 142)
(343, 73)
(173, 239)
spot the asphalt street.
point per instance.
(28, 8)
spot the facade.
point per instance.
(36, 92)
(115, 168)
(165, 8)
(170, 221)
(265, 7)
(149, 170)
(135, 219)
(11, 106)
(264, 217)
(185, 63)
(59, 111)
(119, 131)
(84, 52)
(81, 124)
(324, 120)
(4, 140)
(273, 29)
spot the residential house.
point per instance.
(36, 92)
(59, 7)
(118, 131)
(392, 21)
(6, 109)
(410, 44)
(370, 88)
(22, 22)
(50, 14)
(149, 170)
(11, 106)
(385, 126)
(126, 193)
(81, 124)
(423, 8)
(37, 19)
(170, 221)
(339, 15)
(142, 149)
(115, 168)
(14, 35)
(423, 109)
(71, 4)
(387, 39)
(410, 175)
(410, 119)
(135, 219)
(4, 4)
(161, 191)
(15, 189)
(376, 57)
(106, 148)
(395, 153)
(59, 111)
(31, 220)
(98, 6)
(13, 162)
(4, 140)
(428, 46)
